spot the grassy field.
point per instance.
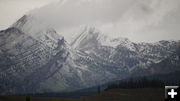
(145, 94)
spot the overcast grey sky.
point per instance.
(11, 10)
(139, 20)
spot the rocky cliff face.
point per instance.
(122, 52)
(29, 55)
(34, 58)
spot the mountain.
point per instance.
(122, 52)
(34, 58)
(168, 65)
(38, 30)
(27, 59)
(90, 37)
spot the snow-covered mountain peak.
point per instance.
(30, 24)
(113, 42)
(86, 34)
(36, 59)
(95, 36)
(38, 30)
(91, 30)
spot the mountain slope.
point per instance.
(168, 65)
(34, 58)
(41, 61)
(38, 30)
(29, 57)
(122, 52)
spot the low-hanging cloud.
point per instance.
(12, 10)
(139, 20)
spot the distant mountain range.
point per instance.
(34, 58)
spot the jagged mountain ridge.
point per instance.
(42, 61)
(22, 57)
(45, 64)
(121, 51)
(29, 56)
(38, 30)
(168, 65)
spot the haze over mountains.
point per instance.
(35, 58)
(138, 20)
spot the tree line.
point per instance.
(137, 83)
